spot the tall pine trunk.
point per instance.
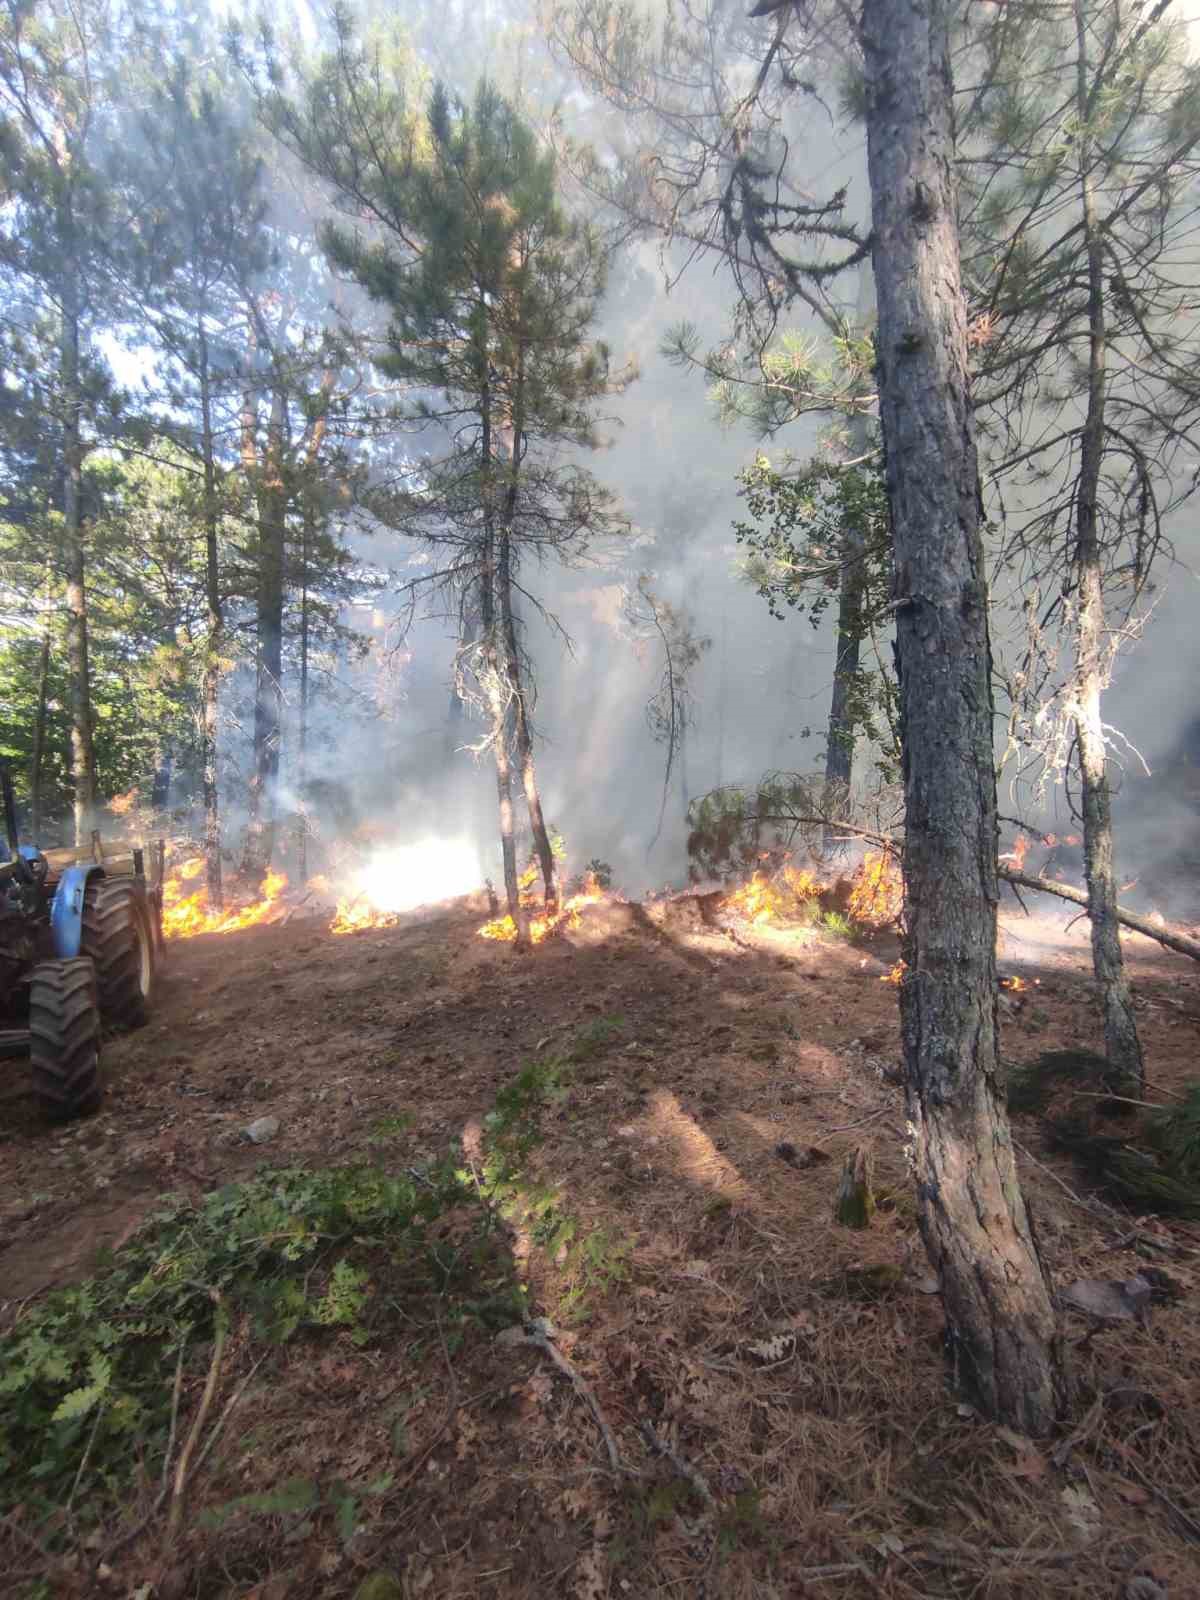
(1121, 1044)
(211, 690)
(268, 660)
(516, 675)
(83, 759)
(41, 712)
(839, 750)
(1001, 1323)
(493, 676)
(521, 725)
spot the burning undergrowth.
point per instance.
(360, 891)
(543, 921)
(869, 899)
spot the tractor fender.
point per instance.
(66, 912)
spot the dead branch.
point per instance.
(230, 1406)
(1170, 937)
(683, 1467)
(179, 1492)
(583, 1390)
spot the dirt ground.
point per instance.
(795, 1368)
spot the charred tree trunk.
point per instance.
(1121, 1044)
(211, 689)
(1001, 1322)
(268, 689)
(83, 759)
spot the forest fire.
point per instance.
(1020, 850)
(771, 899)
(186, 914)
(567, 916)
(355, 914)
(877, 895)
(1013, 985)
(896, 975)
(394, 881)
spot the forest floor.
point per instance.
(773, 1387)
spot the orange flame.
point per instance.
(567, 916)
(877, 895)
(186, 915)
(766, 899)
(896, 975)
(1013, 985)
(355, 914)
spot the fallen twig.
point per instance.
(942, 1552)
(175, 1393)
(682, 1466)
(1096, 1207)
(1186, 1522)
(1079, 1435)
(230, 1405)
(846, 1127)
(292, 910)
(583, 1390)
(182, 1470)
(86, 1457)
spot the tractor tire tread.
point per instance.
(64, 1037)
(115, 925)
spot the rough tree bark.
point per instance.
(839, 752)
(41, 712)
(521, 726)
(210, 693)
(1001, 1325)
(268, 692)
(1121, 1044)
(515, 435)
(83, 759)
(493, 679)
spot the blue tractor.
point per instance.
(79, 945)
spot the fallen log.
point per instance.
(1165, 936)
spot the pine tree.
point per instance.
(972, 1215)
(56, 251)
(1080, 228)
(491, 292)
(200, 242)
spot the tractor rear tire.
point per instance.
(118, 935)
(64, 1038)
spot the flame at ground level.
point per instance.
(184, 915)
(877, 895)
(567, 916)
(770, 899)
(401, 879)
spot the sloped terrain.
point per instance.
(738, 1397)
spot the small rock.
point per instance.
(1109, 1300)
(1142, 1587)
(261, 1130)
